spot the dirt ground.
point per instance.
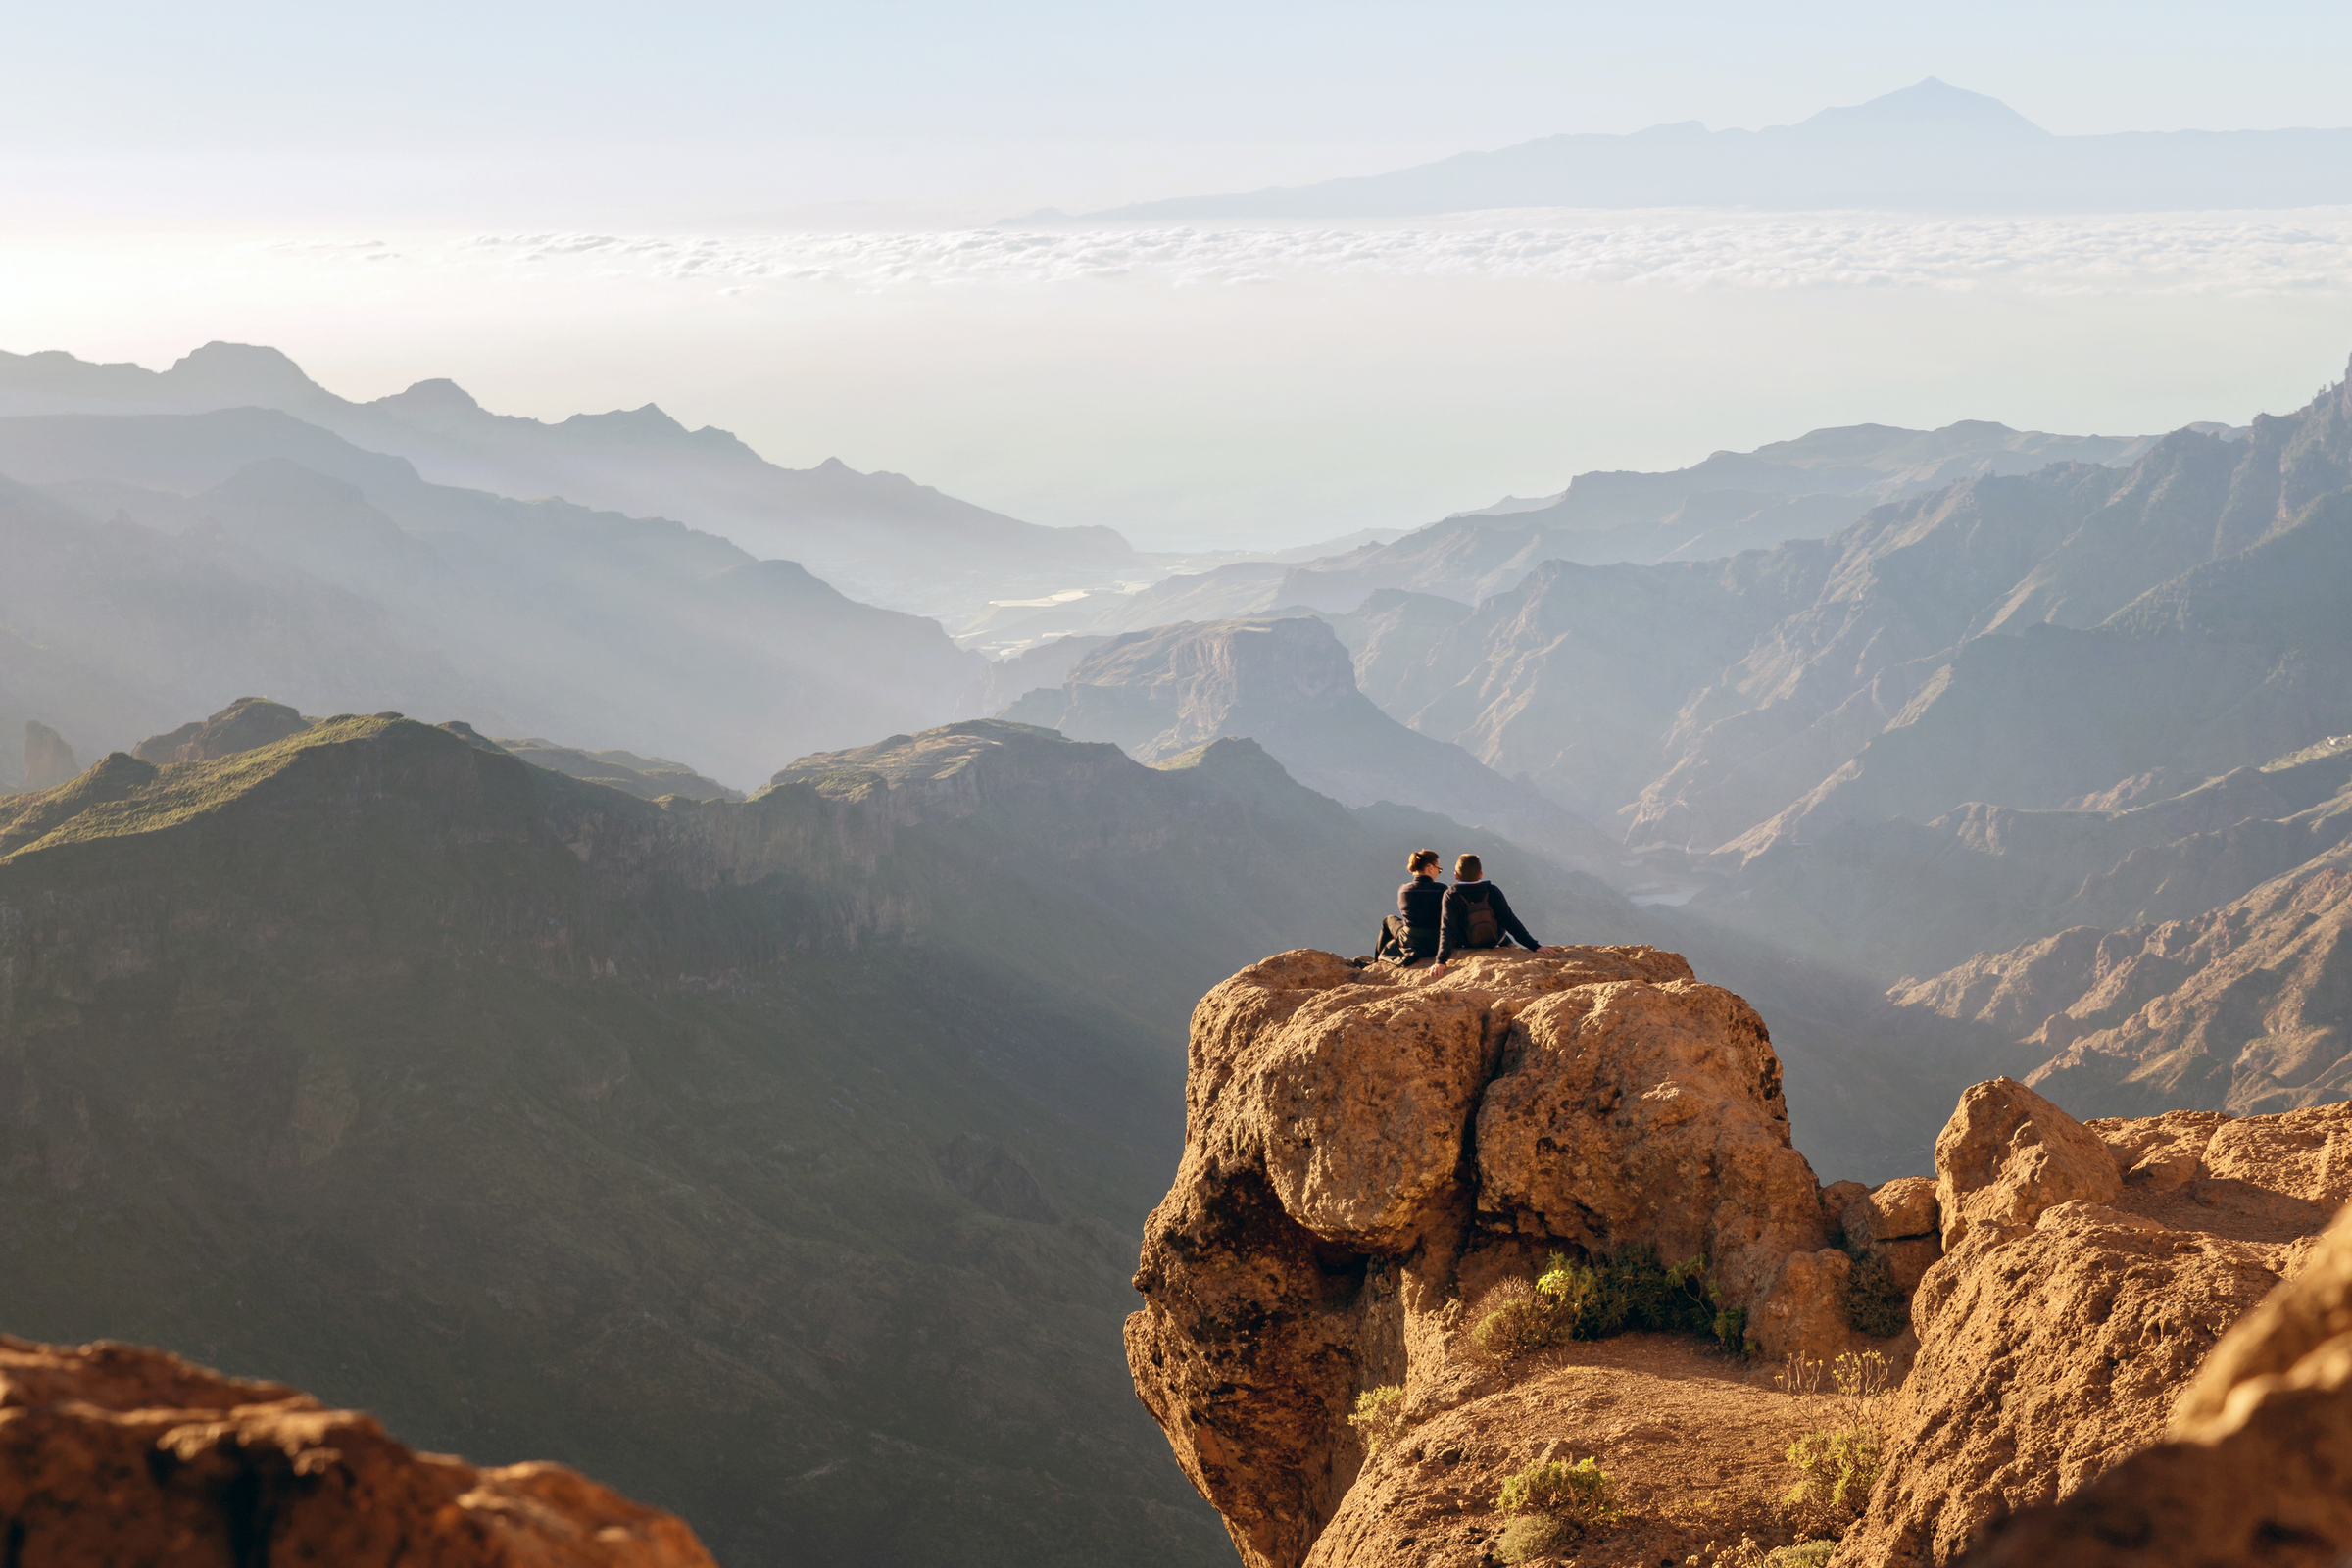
(1695, 1438)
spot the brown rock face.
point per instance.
(1897, 1221)
(112, 1455)
(1894, 1212)
(1803, 1311)
(2157, 1153)
(1613, 1096)
(2258, 1465)
(1364, 1148)
(2007, 1155)
(2051, 1350)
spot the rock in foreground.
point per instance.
(1368, 1149)
(2096, 1267)
(114, 1455)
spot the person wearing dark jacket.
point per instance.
(1416, 930)
(1471, 892)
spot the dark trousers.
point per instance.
(1406, 943)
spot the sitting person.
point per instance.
(1413, 932)
(1476, 915)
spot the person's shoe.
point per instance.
(1361, 964)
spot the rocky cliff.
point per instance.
(1375, 1161)
(1369, 1149)
(114, 1455)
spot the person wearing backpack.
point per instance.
(1476, 915)
(1416, 930)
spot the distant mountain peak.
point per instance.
(1928, 107)
(254, 371)
(438, 393)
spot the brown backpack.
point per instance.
(1480, 927)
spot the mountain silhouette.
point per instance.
(1931, 145)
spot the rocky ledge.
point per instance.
(1370, 1151)
(114, 1455)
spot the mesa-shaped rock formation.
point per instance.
(110, 1454)
(1368, 1148)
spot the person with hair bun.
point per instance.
(1416, 929)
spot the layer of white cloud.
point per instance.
(2162, 254)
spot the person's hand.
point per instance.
(1435, 970)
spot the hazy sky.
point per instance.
(596, 113)
(764, 216)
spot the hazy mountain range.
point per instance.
(811, 1130)
(1161, 693)
(1930, 145)
(879, 537)
(335, 580)
(1733, 501)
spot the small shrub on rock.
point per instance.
(1751, 1553)
(1514, 1319)
(1838, 1464)
(1532, 1536)
(1836, 1470)
(1550, 1503)
(1379, 1417)
(1592, 1300)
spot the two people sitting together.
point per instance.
(1436, 921)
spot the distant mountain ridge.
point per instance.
(169, 562)
(879, 537)
(1806, 487)
(1288, 684)
(1930, 145)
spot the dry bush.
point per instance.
(1751, 1554)
(1604, 1296)
(1841, 1458)
(1874, 1304)
(1551, 1503)
(1379, 1417)
(1512, 1320)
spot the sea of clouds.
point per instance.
(2182, 254)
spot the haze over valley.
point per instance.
(705, 791)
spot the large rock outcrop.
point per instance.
(2257, 1467)
(2092, 1269)
(1366, 1148)
(114, 1455)
(2008, 1154)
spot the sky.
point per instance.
(774, 218)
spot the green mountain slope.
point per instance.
(777, 1160)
